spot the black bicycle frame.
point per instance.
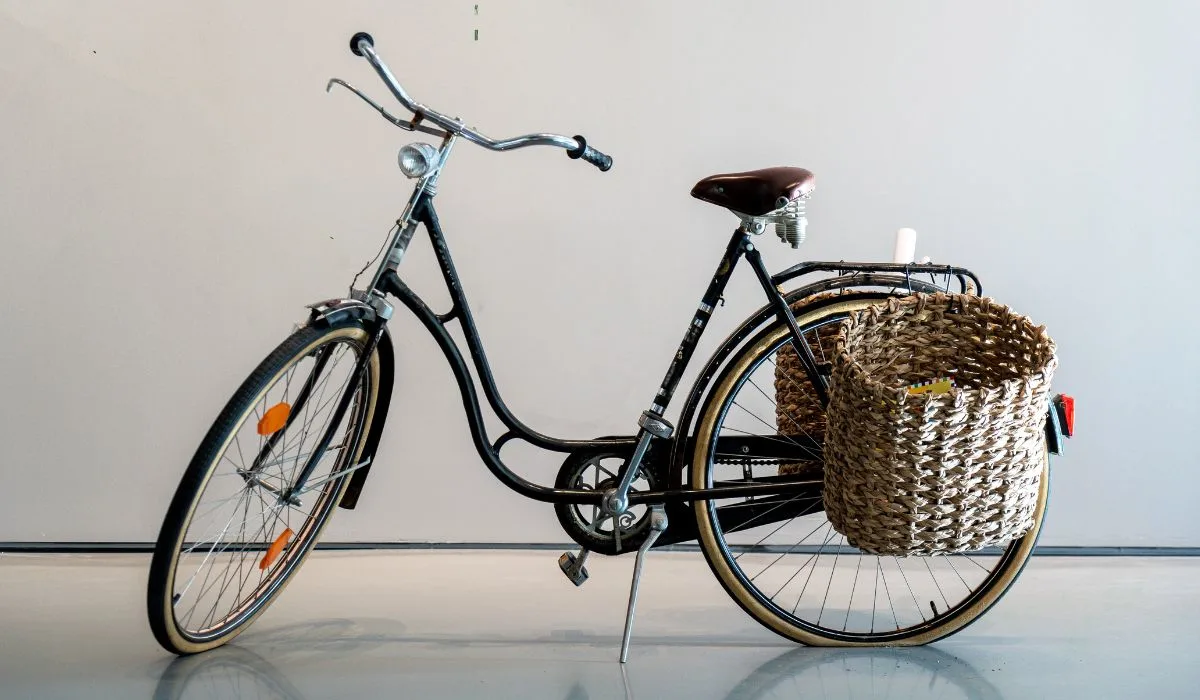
(437, 324)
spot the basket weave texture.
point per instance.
(936, 473)
(798, 410)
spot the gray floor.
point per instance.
(508, 625)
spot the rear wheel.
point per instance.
(788, 567)
(230, 541)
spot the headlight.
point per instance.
(417, 159)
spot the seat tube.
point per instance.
(652, 424)
(695, 329)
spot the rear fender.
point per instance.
(1060, 423)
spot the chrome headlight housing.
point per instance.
(417, 160)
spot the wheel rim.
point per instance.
(224, 569)
(803, 572)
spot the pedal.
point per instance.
(572, 566)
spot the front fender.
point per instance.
(331, 312)
(387, 374)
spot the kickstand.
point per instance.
(658, 523)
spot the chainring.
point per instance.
(588, 525)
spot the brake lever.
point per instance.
(413, 125)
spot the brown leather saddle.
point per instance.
(756, 192)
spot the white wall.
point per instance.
(174, 186)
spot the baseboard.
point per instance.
(147, 547)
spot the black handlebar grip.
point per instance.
(359, 37)
(589, 154)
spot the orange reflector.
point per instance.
(274, 419)
(275, 548)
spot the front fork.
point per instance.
(343, 405)
(376, 324)
(268, 447)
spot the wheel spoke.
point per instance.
(888, 592)
(212, 511)
(204, 584)
(203, 588)
(874, 596)
(784, 441)
(211, 549)
(786, 414)
(829, 585)
(854, 587)
(960, 577)
(807, 389)
(225, 574)
(811, 560)
(237, 441)
(807, 511)
(828, 537)
(296, 463)
(785, 553)
(910, 589)
(935, 582)
(772, 428)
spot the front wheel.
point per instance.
(787, 567)
(232, 539)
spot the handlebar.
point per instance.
(361, 44)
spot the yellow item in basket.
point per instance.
(936, 386)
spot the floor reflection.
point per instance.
(457, 667)
(227, 672)
(923, 672)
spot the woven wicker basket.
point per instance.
(936, 473)
(798, 409)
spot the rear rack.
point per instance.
(968, 282)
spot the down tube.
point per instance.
(462, 311)
(392, 284)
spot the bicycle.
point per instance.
(736, 466)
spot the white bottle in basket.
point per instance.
(906, 246)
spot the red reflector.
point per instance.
(1068, 413)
